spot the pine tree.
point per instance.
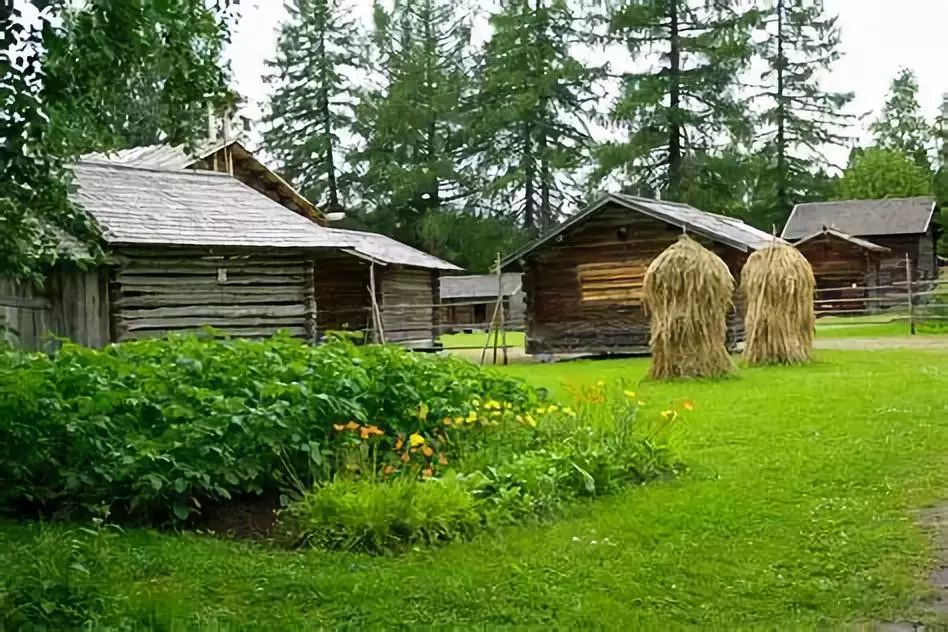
(684, 105)
(312, 102)
(901, 126)
(413, 123)
(531, 132)
(800, 118)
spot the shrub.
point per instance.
(160, 427)
(375, 517)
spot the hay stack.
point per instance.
(688, 293)
(777, 284)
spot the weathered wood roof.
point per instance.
(893, 216)
(862, 243)
(205, 208)
(478, 285)
(176, 157)
(726, 230)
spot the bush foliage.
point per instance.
(158, 428)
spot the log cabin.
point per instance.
(188, 249)
(469, 301)
(844, 267)
(905, 226)
(583, 279)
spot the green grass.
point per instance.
(453, 341)
(796, 514)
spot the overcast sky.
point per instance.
(878, 38)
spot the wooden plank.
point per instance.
(214, 311)
(205, 281)
(197, 323)
(274, 297)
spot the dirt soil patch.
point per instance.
(250, 517)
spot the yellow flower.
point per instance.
(569, 411)
(531, 421)
(416, 440)
(669, 414)
(630, 394)
(641, 403)
(492, 404)
(540, 411)
(476, 403)
(458, 420)
(338, 427)
(600, 383)
(471, 417)
(508, 405)
(422, 411)
(552, 408)
(519, 418)
(688, 405)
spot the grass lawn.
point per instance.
(453, 341)
(796, 514)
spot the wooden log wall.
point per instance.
(892, 264)
(583, 290)
(407, 304)
(838, 263)
(71, 303)
(159, 291)
(342, 294)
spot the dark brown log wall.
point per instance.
(342, 294)
(583, 289)
(838, 264)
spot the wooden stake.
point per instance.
(490, 329)
(503, 318)
(376, 312)
(908, 286)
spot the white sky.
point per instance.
(878, 38)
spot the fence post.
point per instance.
(908, 286)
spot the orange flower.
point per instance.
(428, 472)
(405, 457)
(443, 460)
(370, 431)
(399, 443)
(338, 427)
(688, 405)
(427, 451)
(352, 426)
(389, 470)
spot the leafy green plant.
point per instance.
(159, 428)
(378, 517)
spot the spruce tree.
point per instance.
(799, 117)
(312, 101)
(684, 104)
(413, 123)
(901, 126)
(530, 127)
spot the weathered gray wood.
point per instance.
(197, 323)
(24, 302)
(249, 296)
(213, 311)
(237, 332)
(207, 280)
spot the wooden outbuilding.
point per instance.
(189, 249)
(468, 301)
(904, 226)
(843, 267)
(583, 279)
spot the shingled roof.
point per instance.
(862, 243)
(893, 216)
(478, 285)
(727, 230)
(205, 208)
(178, 157)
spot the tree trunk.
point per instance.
(674, 105)
(529, 173)
(325, 113)
(782, 197)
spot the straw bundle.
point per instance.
(777, 284)
(687, 293)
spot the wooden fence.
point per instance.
(912, 301)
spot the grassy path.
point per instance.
(797, 513)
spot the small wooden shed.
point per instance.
(189, 249)
(583, 279)
(469, 301)
(905, 226)
(844, 266)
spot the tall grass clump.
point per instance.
(777, 283)
(687, 294)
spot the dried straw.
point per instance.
(777, 284)
(687, 293)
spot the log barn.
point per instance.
(843, 267)
(189, 249)
(468, 301)
(583, 280)
(904, 226)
